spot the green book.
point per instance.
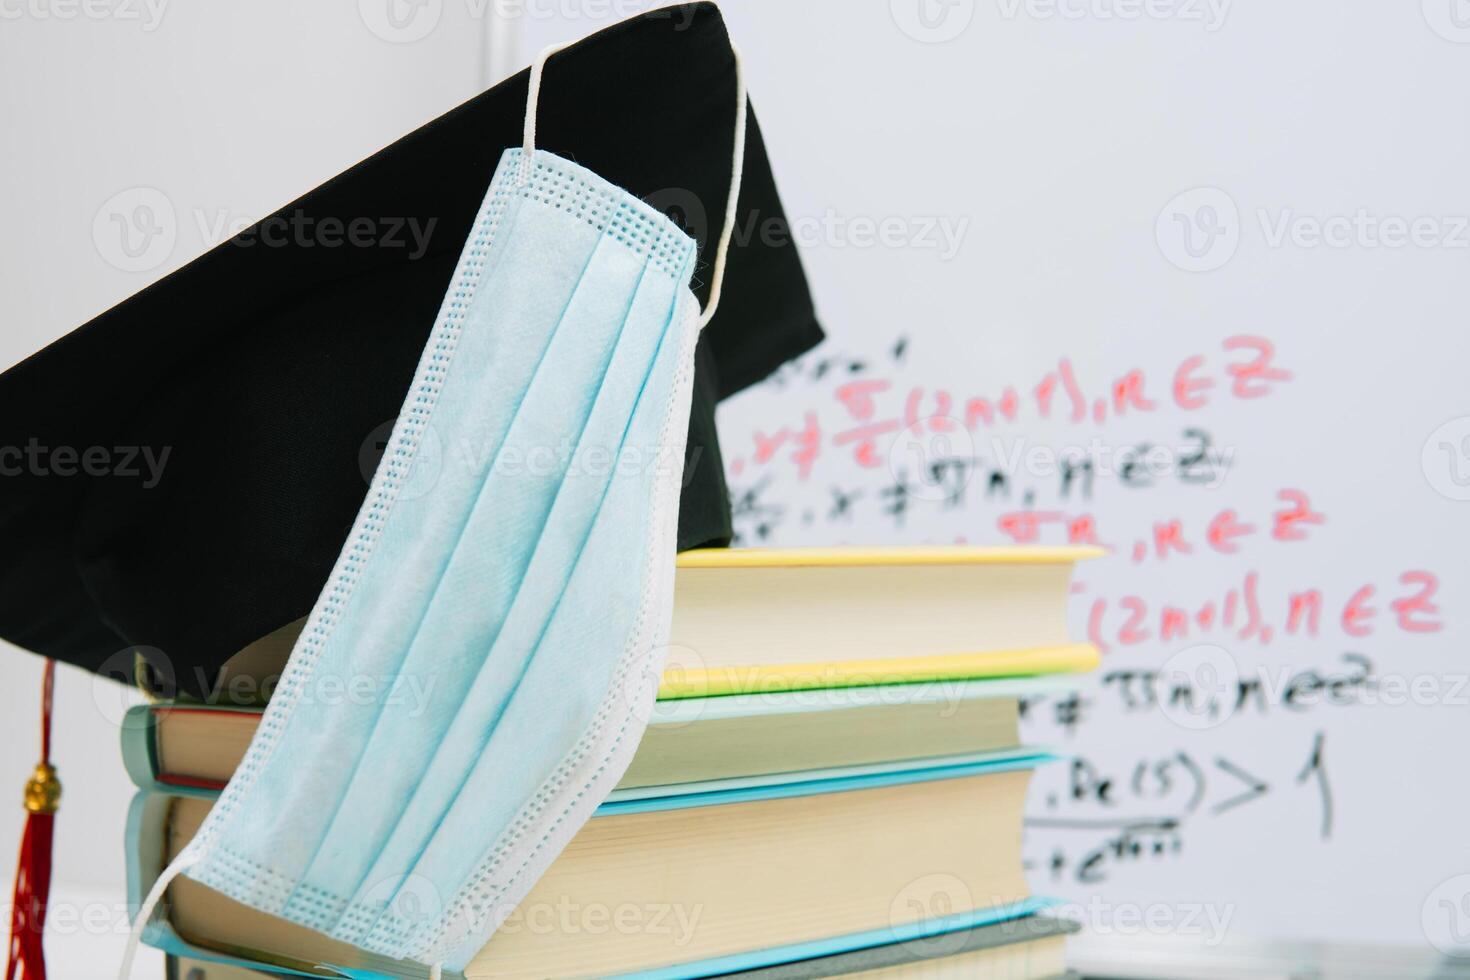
(192, 749)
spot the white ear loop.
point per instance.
(737, 164)
(145, 911)
(533, 98)
(737, 171)
(185, 860)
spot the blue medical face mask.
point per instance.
(527, 588)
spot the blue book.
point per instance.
(705, 881)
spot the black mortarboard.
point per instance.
(269, 369)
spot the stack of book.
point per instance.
(831, 784)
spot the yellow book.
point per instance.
(748, 621)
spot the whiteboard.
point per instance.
(1220, 252)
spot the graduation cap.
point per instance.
(180, 473)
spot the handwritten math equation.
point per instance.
(924, 436)
(1102, 816)
(1219, 696)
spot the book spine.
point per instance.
(140, 757)
(140, 746)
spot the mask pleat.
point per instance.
(478, 585)
(344, 697)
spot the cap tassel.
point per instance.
(33, 875)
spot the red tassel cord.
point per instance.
(33, 875)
